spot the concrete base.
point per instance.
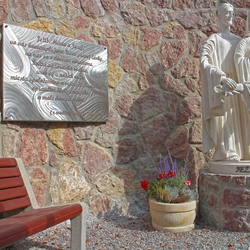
(224, 200)
(230, 167)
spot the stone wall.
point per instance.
(154, 99)
(225, 201)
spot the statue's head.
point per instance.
(225, 11)
(224, 7)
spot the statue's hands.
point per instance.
(229, 87)
(228, 82)
(224, 89)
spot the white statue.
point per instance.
(242, 63)
(223, 109)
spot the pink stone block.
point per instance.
(239, 180)
(129, 61)
(110, 5)
(169, 83)
(4, 11)
(96, 160)
(190, 19)
(188, 67)
(222, 178)
(155, 17)
(171, 52)
(149, 38)
(236, 197)
(225, 201)
(150, 104)
(32, 147)
(81, 23)
(186, 114)
(128, 150)
(40, 8)
(213, 186)
(92, 8)
(39, 181)
(114, 47)
(236, 220)
(154, 133)
(20, 10)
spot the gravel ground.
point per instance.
(135, 233)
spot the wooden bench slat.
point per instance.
(22, 225)
(9, 172)
(12, 193)
(11, 182)
(17, 203)
(8, 162)
(16, 194)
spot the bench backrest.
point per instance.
(13, 194)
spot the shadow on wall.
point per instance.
(162, 113)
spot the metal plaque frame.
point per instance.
(47, 77)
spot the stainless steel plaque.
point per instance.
(52, 78)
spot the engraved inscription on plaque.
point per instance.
(243, 169)
(47, 77)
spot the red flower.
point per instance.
(144, 185)
(171, 173)
(162, 175)
(187, 182)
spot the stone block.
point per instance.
(235, 197)
(213, 186)
(239, 180)
(99, 203)
(224, 203)
(236, 220)
(128, 150)
(225, 178)
(39, 178)
(96, 160)
(149, 38)
(93, 8)
(32, 147)
(20, 10)
(73, 186)
(115, 182)
(133, 13)
(171, 52)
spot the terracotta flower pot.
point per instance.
(172, 217)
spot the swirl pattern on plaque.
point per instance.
(53, 78)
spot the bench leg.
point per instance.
(78, 230)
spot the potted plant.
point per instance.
(172, 202)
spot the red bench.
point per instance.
(20, 215)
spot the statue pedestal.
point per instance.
(230, 167)
(224, 198)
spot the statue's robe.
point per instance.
(242, 63)
(223, 117)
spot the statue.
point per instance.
(224, 111)
(242, 63)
